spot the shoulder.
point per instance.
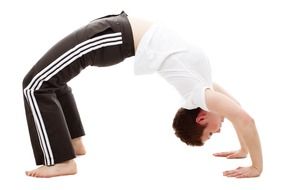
(225, 106)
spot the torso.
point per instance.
(139, 27)
(183, 65)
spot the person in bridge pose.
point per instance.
(53, 119)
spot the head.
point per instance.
(195, 127)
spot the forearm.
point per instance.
(250, 136)
(242, 143)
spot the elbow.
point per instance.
(242, 118)
(247, 120)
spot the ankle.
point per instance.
(78, 146)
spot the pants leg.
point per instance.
(51, 111)
(70, 111)
(36, 143)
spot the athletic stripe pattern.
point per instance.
(51, 70)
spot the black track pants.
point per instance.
(51, 111)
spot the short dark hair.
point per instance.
(186, 128)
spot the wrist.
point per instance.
(257, 168)
(258, 165)
(243, 150)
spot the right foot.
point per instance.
(60, 169)
(78, 146)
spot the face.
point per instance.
(213, 122)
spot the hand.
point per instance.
(232, 154)
(243, 172)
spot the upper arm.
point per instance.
(218, 88)
(225, 106)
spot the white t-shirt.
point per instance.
(184, 66)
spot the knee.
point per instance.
(25, 81)
(28, 77)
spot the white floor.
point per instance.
(128, 118)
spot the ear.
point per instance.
(201, 117)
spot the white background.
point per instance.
(128, 118)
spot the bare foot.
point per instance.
(78, 146)
(60, 169)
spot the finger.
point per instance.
(242, 176)
(237, 170)
(231, 156)
(229, 172)
(222, 154)
(234, 174)
(235, 156)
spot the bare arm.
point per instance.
(244, 125)
(243, 151)
(220, 89)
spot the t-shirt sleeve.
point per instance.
(197, 98)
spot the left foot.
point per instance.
(60, 169)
